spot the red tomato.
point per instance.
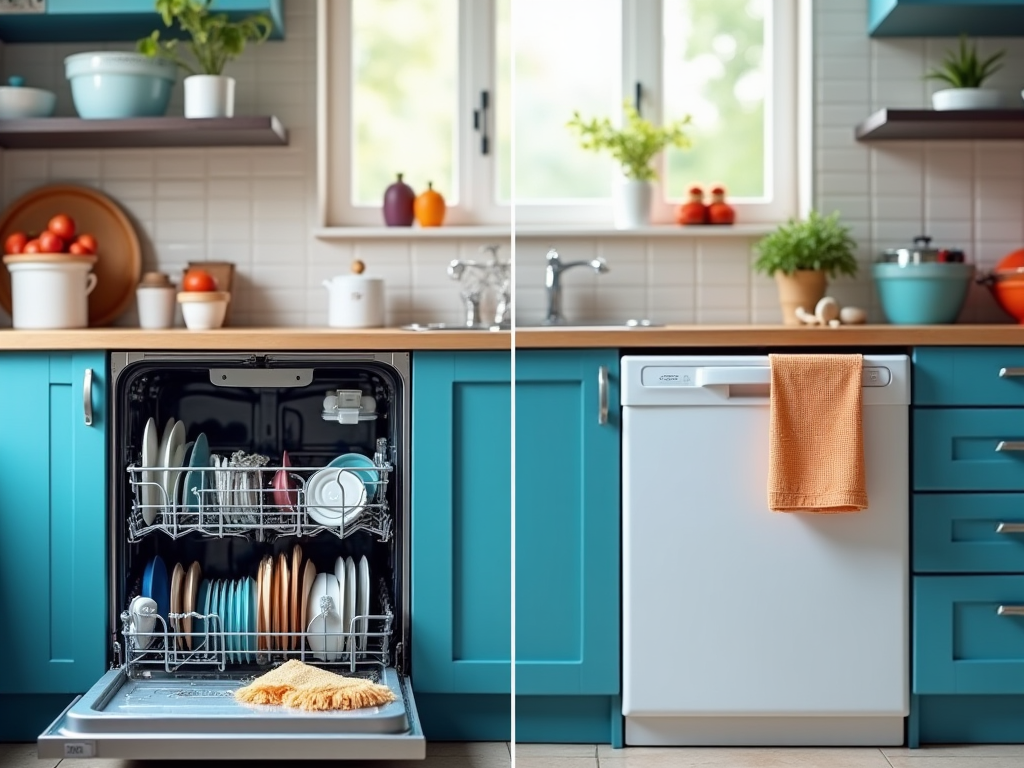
(32, 246)
(15, 242)
(88, 242)
(50, 243)
(63, 226)
(78, 250)
(198, 280)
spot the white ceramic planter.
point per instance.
(53, 293)
(356, 301)
(632, 204)
(967, 98)
(209, 96)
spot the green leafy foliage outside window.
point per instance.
(818, 243)
(214, 39)
(634, 145)
(963, 68)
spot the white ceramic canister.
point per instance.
(156, 297)
(50, 290)
(356, 301)
(209, 96)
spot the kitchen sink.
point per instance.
(452, 327)
(625, 324)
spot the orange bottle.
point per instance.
(694, 211)
(429, 208)
(720, 212)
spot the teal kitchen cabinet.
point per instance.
(945, 18)
(79, 21)
(461, 544)
(968, 546)
(53, 507)
(567, 546)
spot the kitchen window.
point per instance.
(729, 64)
(418, 87)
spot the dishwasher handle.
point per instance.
(724, 376)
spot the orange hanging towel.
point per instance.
(816, 452)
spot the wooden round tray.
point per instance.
(119, 261)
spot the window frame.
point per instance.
(642, 63)
(475, 201)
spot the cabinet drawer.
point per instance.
(961, 642)
(969, 376)
(969, 533)
(958, 449)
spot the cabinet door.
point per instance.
(567, 523)
(969, 449)
(53, 512)
(461, 522)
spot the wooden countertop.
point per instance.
(256, 340)
(771, 336)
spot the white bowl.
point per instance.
(19, 102)
(203, 310)
(967, 98)
(335, 496)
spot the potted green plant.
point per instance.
(634, 146)
(802, 255)
(966, 73)
(214, 41)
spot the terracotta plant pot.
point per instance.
(804, 288)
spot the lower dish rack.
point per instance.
(222, 501)
(363, 649)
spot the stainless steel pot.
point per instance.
(921, 252)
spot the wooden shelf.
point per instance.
(903, 124)
(76, 133)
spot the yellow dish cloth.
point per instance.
(816, 451)
(302, 686)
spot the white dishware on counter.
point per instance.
(356, 300)
(155, 299)
(203, 310)
(50, 290)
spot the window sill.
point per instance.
(410, 233)
(655, 230)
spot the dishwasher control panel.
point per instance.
(709, 376)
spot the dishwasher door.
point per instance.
(162, 716)
(747, 626)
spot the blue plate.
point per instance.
(370, 476)
(156, 586)
(196, 480)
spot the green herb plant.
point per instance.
(634, 145)
(214, 39)
(963, 69)
(817, 243)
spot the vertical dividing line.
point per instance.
(512, 353)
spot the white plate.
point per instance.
(363, 599)
(340, 572)
(149, 494)
(325, 585)
(171, 456)
(324, 493)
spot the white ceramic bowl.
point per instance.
(203, 310)
(334, 495)
(967, 98)
(20, 102)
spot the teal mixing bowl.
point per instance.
(114, 84)
(930, 293)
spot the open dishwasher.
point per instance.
(231, 467)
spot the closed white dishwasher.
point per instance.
(743, 626)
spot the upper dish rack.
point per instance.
(365, 648)
(237, 501)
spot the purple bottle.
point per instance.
(398, 204)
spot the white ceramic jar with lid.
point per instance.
(356, 300)
(155, 297)
(50, 290)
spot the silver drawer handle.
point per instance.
(87, 397)
(1010, 610)
(1010, 445)
(1010, 528)
(602, 395)
(1005, 373)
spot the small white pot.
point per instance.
(52, 293)
(356, 301)
(967, 98)
(156, 306)
(209, 96)
(632, 204)
(203, 310)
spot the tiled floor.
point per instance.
(496, 755)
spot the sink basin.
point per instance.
(451, 327)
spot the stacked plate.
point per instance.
(164, 459)
(233, 631)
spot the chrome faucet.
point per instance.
(553, 283)
(477, 276)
